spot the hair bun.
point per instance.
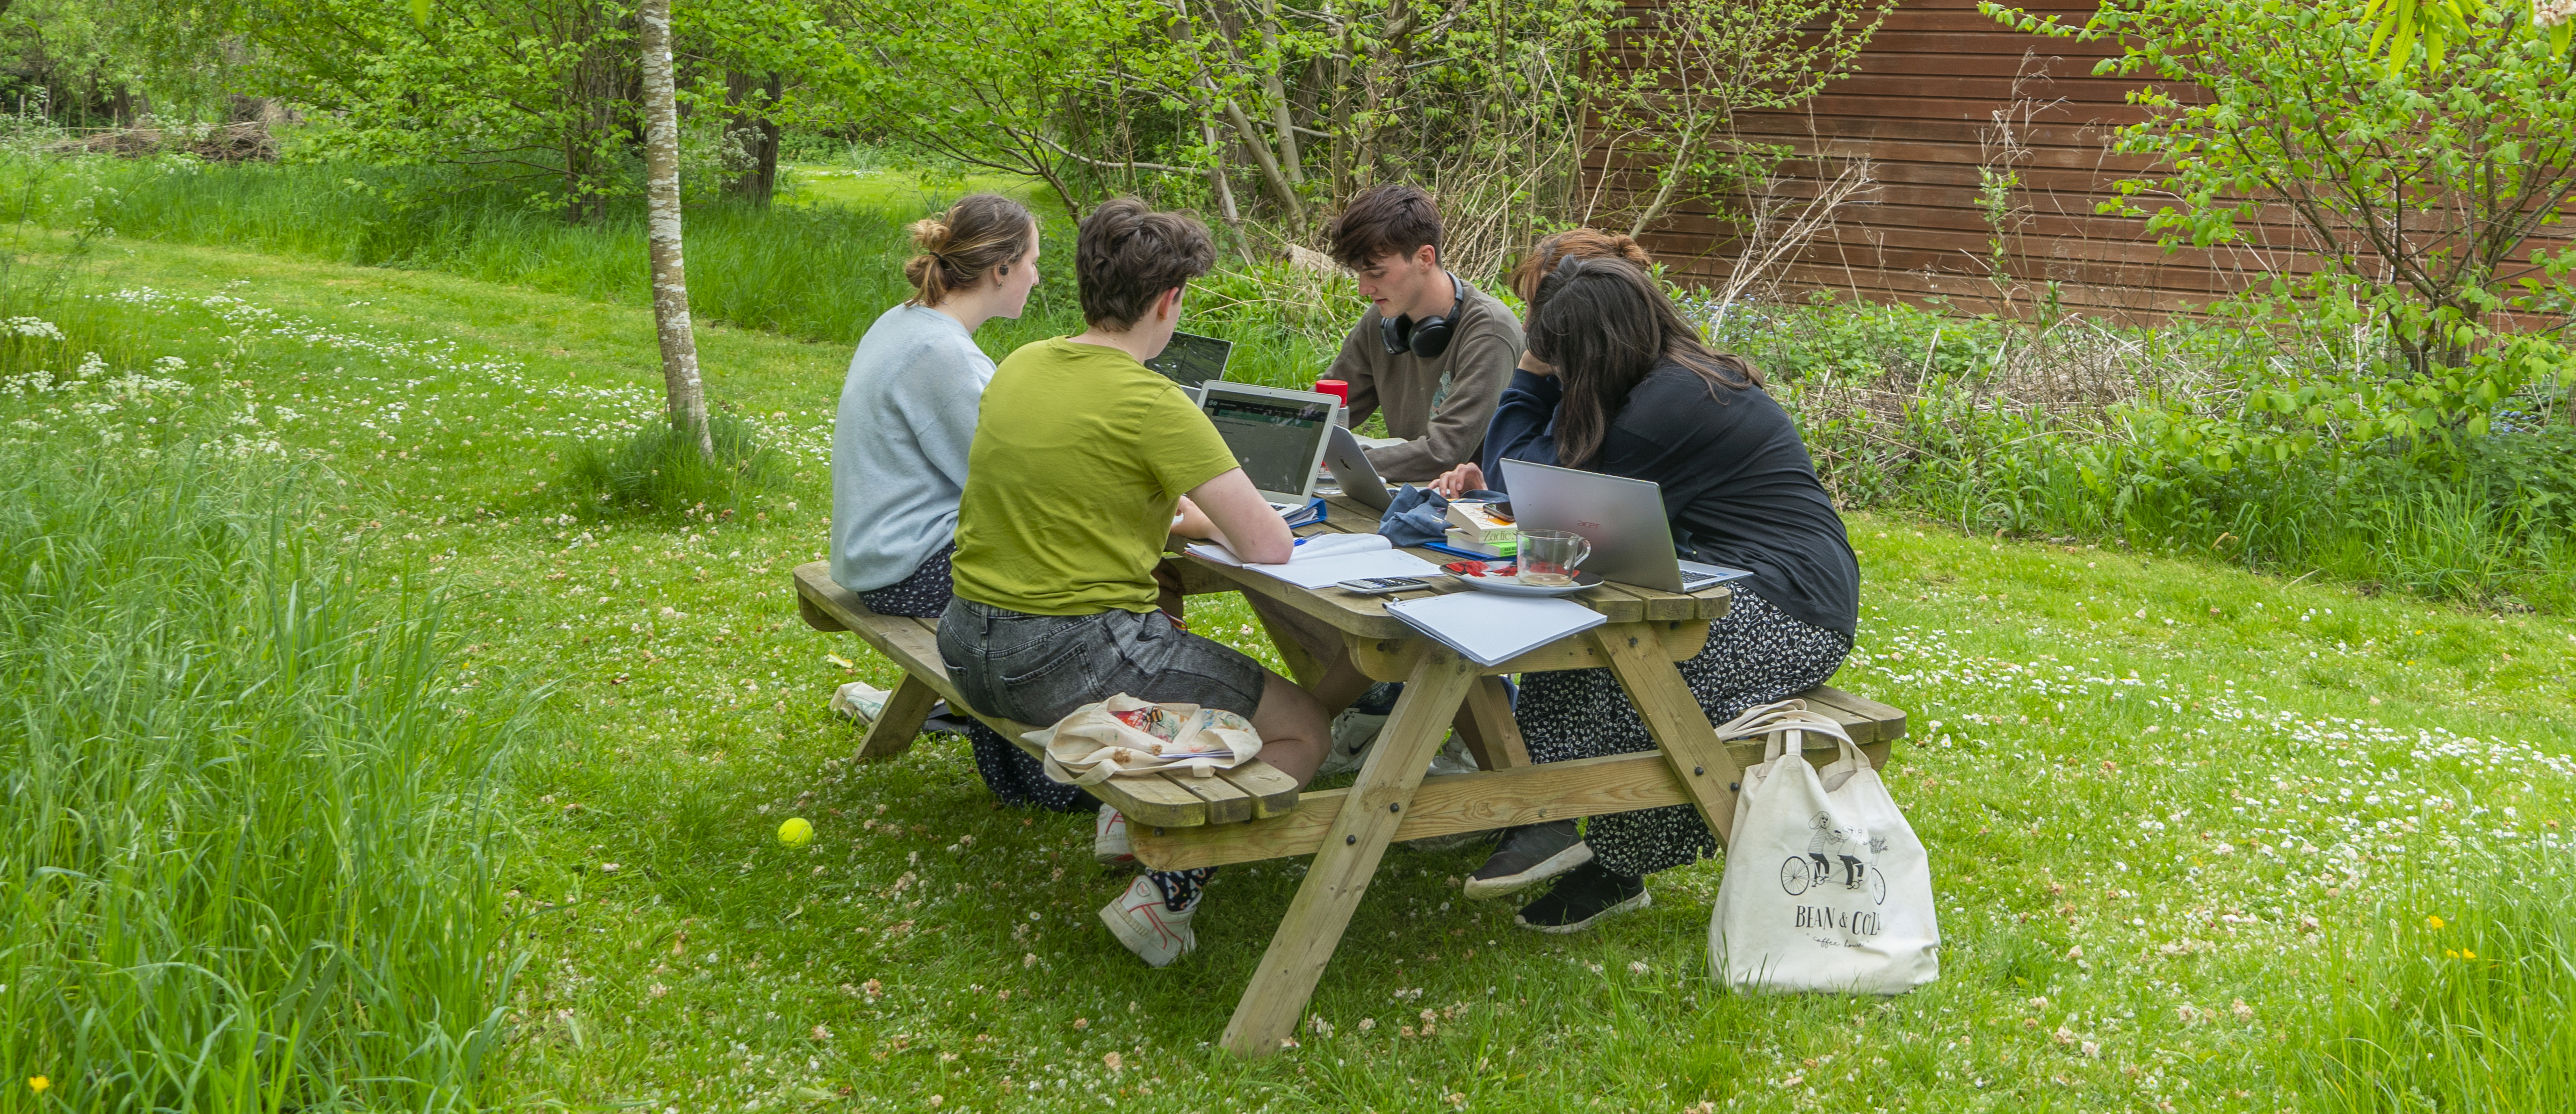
(930, 234)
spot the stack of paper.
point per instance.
(1330, 559)
(1492, 629)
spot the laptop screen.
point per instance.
(1191, 360)
(1275, 440)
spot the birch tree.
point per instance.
(685, 394)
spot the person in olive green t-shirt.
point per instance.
(1084, 464)
(1099, 449)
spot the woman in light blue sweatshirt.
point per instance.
(907, 415)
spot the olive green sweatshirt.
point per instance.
(1440, 406)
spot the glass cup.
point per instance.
(1548, 557)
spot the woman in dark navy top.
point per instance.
(1618, 383)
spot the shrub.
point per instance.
(657, 471)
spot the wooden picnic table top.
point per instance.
(1366, 616)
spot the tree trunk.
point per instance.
(685, 394)
(751, 97)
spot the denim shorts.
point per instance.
(1038, 668)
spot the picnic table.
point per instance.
(1255, 812)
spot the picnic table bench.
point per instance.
(1254, 812)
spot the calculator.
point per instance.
(1379, 586)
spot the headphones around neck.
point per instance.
(1429, 337)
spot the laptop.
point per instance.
(1352, 470)
(1193, 361)
(1632, 542)
(1277, 436)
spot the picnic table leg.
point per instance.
(1673, 716)
(899, 722)
(1340, 873)
(1486, 725)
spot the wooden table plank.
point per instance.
(1885, 722)
(1673, 716)
(1486, 725)
(1454, 803)
(1391, 659)
(899, 722)
(1371, 811)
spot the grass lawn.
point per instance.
(2188, 824)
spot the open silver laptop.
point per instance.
(1277, 436)
(1632, 543)
(1352, 470)
(1193, 361)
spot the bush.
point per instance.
(659, 471)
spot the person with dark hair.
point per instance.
(1629, 390)
(1433, 351)
(1084, 464)
(899, 445)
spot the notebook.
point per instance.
(1490, 629)
(1331, 559)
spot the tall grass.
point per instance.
(2452, 994)
(249, 847)
(815, 272)
(1998, 427)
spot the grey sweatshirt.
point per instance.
(899, 447)
(1439, 406)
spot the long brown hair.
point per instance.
(1606, 326)
(982, 231)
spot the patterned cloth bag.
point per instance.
(1124, 735)
(1826, 887)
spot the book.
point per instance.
(1469, 518)
(1502, 547)
(1296, 516)
(1491, 629)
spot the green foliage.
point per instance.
(247, 828)
(2205, 439)
(2417, 190)
(661, 471)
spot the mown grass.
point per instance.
(2139, 777)
(249, 846)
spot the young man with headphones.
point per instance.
(1434, 353)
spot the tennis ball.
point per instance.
(796, 832)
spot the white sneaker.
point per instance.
(1149, 928)
(1109, 838)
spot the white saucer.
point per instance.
(1512, 586)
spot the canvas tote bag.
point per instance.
(1826, 888)
(1124, 735)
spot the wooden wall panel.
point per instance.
(1924, 108)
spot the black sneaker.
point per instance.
(1585, 896)
(1531, 854)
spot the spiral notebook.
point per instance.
(1490, 629)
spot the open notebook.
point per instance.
(1327, 559)
(1491, 629)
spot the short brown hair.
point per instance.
(982, 231)
(1392, 219)
(1128, 255)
